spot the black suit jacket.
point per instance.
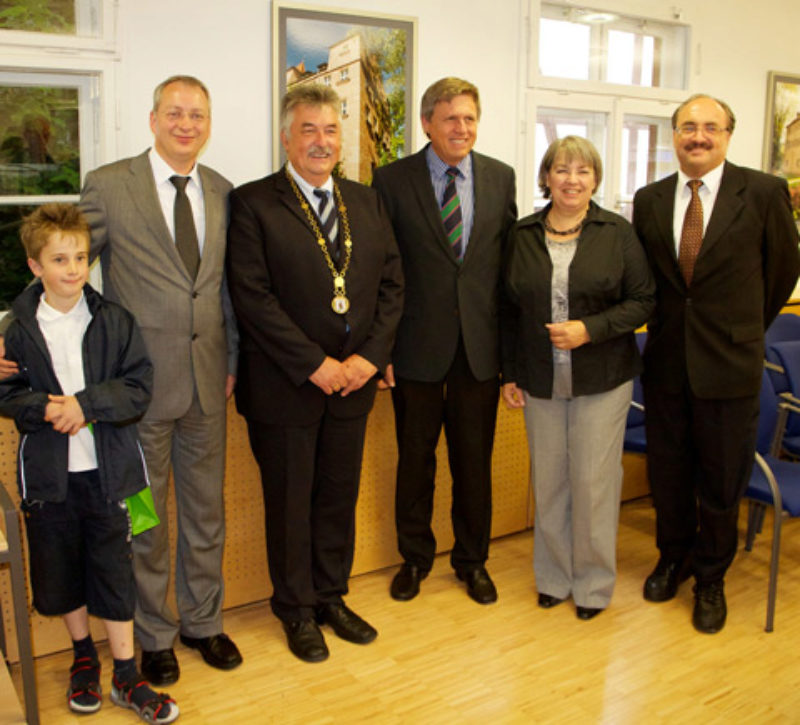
(444, 297)
(712, 333)
(281, 290)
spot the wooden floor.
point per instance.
(444, 659)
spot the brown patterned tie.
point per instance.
(692, 233)
(185, 231)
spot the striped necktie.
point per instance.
(451, 214)
(691, 233)
(329, 220)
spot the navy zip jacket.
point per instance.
(119, 380)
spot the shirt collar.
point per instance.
(305, 187)
(439, 168)
(711, 180)
(162, 171)
(48, 313)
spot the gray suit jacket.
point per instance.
(187, 326)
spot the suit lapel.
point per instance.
(727, 207)
(291, 202)
(482, 196)
(420, 182)
(143, 194)
(213, 208)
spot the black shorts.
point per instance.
(80, 552)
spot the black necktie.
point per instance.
(451, 214)
(328, 218)
(185, 232)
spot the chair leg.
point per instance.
(773, 569)
(21, 618)
(755, 522)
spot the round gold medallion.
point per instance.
(340, 304)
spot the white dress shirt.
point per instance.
(683, 194)
(162, 172)
(63, 332)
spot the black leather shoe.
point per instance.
(479, 586)
(710, 609)
(305, 640)
(405, 584)
(587, 612)
(218, 650)
(662, 584)
(547, 601)
(160, 667)
(346, 623)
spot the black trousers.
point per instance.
(310, 477)
(699, 458)
(468, 410)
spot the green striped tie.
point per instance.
(451, 214)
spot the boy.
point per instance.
(83, 379)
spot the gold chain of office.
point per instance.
(340, 304)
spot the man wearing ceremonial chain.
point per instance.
(316, 282)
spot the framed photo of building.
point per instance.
(368, 60)
(782, 132)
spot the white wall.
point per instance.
(228, 46)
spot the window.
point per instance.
(345, 74)
(47, 136)
(611, 48)
(62, 17)
(344, 108)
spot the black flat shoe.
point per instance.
(587, 612)
(547, 601)
(305, 640)
(160, 667)
(479, 585)
(218, 650)
(710, 609)
(405, 584)
(346, 623)
(662, 584)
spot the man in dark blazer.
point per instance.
(445, 363)
(316, 282)
(705, 346)
(188, 326)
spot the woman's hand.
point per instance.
(513, 396)
(568, 335)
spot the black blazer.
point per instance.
(281, 290)
(712, 333)
(444, 298)
(610, 289)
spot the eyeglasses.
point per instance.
(173, 116)
(709, 129)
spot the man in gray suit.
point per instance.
(136, 208)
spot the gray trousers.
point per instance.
(194, 445)
(576, 454)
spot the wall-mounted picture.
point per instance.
(782, 132)
(368, 60)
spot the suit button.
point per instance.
(194, 337)
(688, 301)
(194, 295)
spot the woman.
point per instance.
(578, 285)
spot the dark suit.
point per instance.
(704, 355)
(448, 338)
(308, 445)
(190, 334)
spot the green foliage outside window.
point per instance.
(38, 16)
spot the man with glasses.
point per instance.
(723, 247)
